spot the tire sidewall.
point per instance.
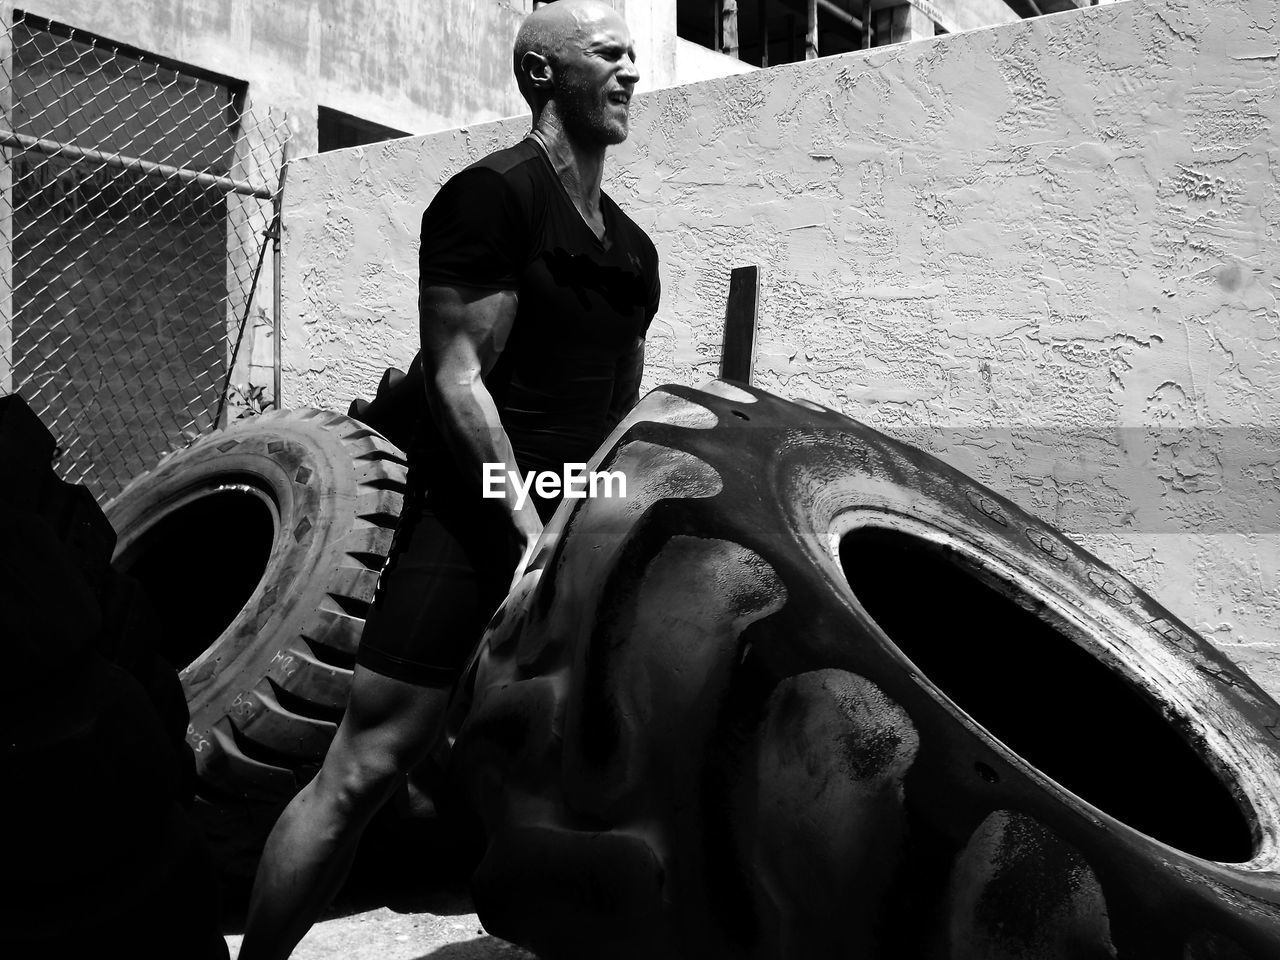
(902, 488)
(306, 477)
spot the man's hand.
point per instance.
(526, 554)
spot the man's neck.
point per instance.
(580, 167)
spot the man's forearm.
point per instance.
(468, 419)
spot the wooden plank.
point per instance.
(729, 27)
(738, 353)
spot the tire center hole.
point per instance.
(996, 652)
(201, 563)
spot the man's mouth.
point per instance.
(622, 98)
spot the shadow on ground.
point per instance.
(481, 948)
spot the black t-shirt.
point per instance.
(507, 223)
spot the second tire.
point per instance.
(261, 545)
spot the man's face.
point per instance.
(595, 75)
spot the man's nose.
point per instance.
(628, 73)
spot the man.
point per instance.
(535, 292)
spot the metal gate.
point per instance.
(137, 197)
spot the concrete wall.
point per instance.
(653, 31)
(664, 59)
(1046, 251)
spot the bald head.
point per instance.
(551, 32)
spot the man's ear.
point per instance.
(538, 69)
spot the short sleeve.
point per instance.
(473, 233)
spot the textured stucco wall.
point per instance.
(1046, 251)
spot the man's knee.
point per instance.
(386, 730)
(360, 778)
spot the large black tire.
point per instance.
(809, 692)
(261, 545)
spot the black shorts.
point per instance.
(449, 568)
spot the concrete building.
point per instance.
(392, 64)
(399, 66)
(771, 32)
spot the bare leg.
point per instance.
(388, 727)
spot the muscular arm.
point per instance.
(464, 330)
(626, 383)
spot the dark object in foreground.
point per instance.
(95, 770)
(809, 692)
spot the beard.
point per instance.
(588, 117)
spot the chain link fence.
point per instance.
(137, 199)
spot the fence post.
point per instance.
(277, 205)
(6, 202)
